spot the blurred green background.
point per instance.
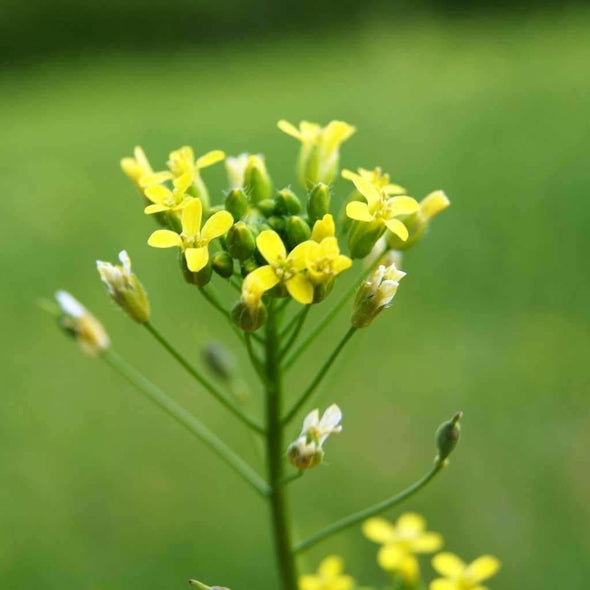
(100, 491)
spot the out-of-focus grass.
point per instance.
(101, 491)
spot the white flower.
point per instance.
(235, 167)
(79, 322)
(306, 452)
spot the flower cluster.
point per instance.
(400, 545)
(274, 243)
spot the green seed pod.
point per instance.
(363, 237)
(318, 203)
(236, 202)
(223, 264)
(257, 181)
(266, 207)
(447, 436)
(287, 202)
(247, 317)
(240, 241)
(297, 231)
(201, 278)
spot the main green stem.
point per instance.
(274, 443)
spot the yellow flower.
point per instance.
(329, 576)
(460, 576)
(380, 207)
(378, 179)
(324, 260)
(76, 320)
(164, 199)
(323, 228)
(400, 543)
(282, 268)
(320, 149)
(138, 166)
(194, 240)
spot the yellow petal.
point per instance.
(217, 225)
(336, 133)
(342, 583)
(141, 158)
(210, 158)
(394, 189)
(329, 248)
(448, 564)
(289, 129)
(196, 258)
(270, 245)
(182, 183)
(379, 530)
(359, 211)
(158, 193)
(157, 178)
(410, 524)
(155, 208)
(164, 238)
(341, 263)
(308, 582)
(398, 228)
(433, 204)
(323, 228)
(261, 279)
(348, 174)
(299, 256)
(331, 566)
(482, 568)
(391, 557)
(300, 289)
(427, 543)
(403, 205)
(366, 189)
(442, 584)
(191, 217)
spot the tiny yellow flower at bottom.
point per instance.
(329, 576)
(461, 576)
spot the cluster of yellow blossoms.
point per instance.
(400, 544)
(271, 241)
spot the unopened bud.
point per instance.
(125, 288)
(257, 181)
(447, 437)
(240, 241)
(419, 222)
(236, 202)
(287, 202)
(75, 320)
(303, 455)
(223, 264)
(363, 237)
(266, 207)
(375, 294)
(220, 361)
(318, 203)
(235, 168)
(249, 313)
(276, 223)
(297, 231)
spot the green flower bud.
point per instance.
(219, 361)
(236, 202)
(318, 202)
(257, 181)
(447, 437)
(248, 265)
(276, 223)
(303, 455)
(287, 202)
(297, 231)
(125, 288)
(223, 264)
(240, 241)
(363, 236)
(201, 278)
(247, 316)
(266, 207)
